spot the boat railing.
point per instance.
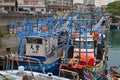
(11, 73)
(98, 67)
(74, 75)
(2, 60)
(114, 72)
(8, 62)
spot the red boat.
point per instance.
(86, 59)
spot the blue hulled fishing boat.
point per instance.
(39, 40)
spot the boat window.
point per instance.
(90, 45)
(28, 40)
(76, 44)
(34, 40)
(39, 41)
(82, 44)
(68, 74)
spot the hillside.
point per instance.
(114, 8)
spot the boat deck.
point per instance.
(27, 75)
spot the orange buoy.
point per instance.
(44, 28)
(96, 35)
(19, 28)
(73, 60)
(74, 35)
(90, 60)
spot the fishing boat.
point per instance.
(27, 75)
(85, 54)
(37, 40)
(22, 74)
(115, 72)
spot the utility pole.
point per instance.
(0, 37)
(16, 5)
(46, 5)
(0, 33)
(91, 10)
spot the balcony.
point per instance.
(7, 3)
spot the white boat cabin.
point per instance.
(83, 45)
(40, 46)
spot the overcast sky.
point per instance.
(97, 2)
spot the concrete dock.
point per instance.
(11, 41)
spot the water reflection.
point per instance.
(113, 43)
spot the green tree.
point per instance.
(114, 8)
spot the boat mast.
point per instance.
(68, 39)
(21, 36)
(79, 44)
(86, 44)
(46, 5)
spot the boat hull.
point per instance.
(51, 67)
(86, 72)
(30, 65)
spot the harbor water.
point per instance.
(113, 44)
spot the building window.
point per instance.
(0, 0)
(6, 0)
(7, 8)
(54, 2)
(12, 8)
(12, 0)
(32, 9)
(67, 3)
(42, 10)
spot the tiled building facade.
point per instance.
(86, 2)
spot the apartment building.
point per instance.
(7, 5)
(30, 1)
(60, 2)
(86, 2)
(38, 5)
(59, 7)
